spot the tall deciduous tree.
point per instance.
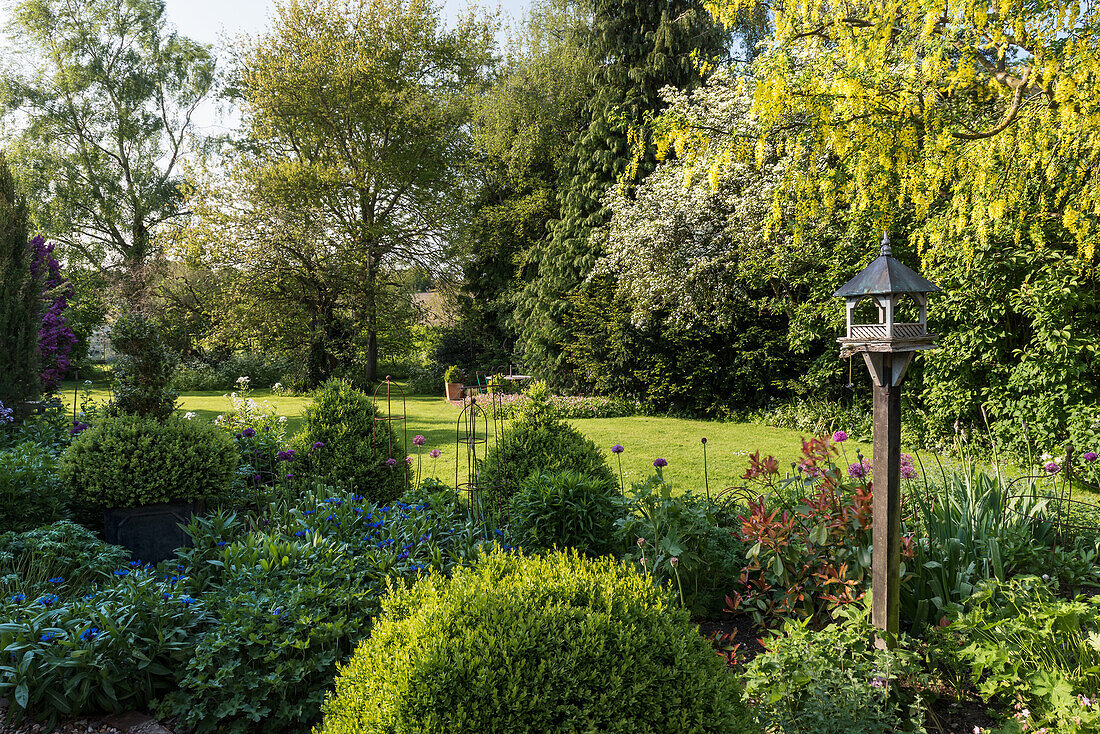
(355, 117)
(105, 99)
(19, 304)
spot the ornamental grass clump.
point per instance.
(128, 461)
(518, 644)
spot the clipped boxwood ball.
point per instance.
(515, 644)
(128, 461)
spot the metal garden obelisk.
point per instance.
(887, 347)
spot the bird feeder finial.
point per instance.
(886, 243)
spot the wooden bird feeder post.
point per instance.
(887, 347)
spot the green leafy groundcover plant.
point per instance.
(288, 603)
(364, 454)
(1015, 641)
(832, 681)
(242, 633)
(535, 644)
(127, 461)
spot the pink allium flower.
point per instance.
(840, 437)
(419, 440)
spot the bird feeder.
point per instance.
(887, 346)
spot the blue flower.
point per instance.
(309, 512)
(357, 510)
(120, 572)
(49, 637)
(19, 597)
(89, 597)
(186, 599)
(89, 634)
(48, 600)
(358, 498)
(301, 534)
(56, 580)
(330, 518)
(221, 543)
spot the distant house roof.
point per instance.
(886, 275)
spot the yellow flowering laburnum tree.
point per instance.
(969, 111)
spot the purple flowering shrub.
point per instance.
(56, 338)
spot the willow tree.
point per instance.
(355, 113)
(964, 110)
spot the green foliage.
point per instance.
(143, 370)
(356, 446)
(19, 305)
(262, 370)
(1015, 640)
(963, 530)
(530, 450)
(833, 681)
(60, 550)
(113, 650)
(127, 461)
(534, 644)
(454, 374)
(564, 406)
(103, 198)
(658, 526)
(30, 493)
(289, 603)
(565, 509)
(636, 48)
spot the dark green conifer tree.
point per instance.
(19, 299)
(641, 46)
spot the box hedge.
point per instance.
(517, 644)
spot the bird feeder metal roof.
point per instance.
(884, 276)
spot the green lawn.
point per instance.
(644, 438)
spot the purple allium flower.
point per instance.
(908, 472)
(419, 440)
(409, 460)
(703, 439)
(435, 453)
(660, 463)
(1090, 457)
(840, 437)
(1052, 468)
(391, 462)
(616, 449)
(857, 471)
(248, 432)
(257, 478)
(78, 428)
(317, 445)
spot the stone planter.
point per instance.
(151, 532)
(454, 390)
